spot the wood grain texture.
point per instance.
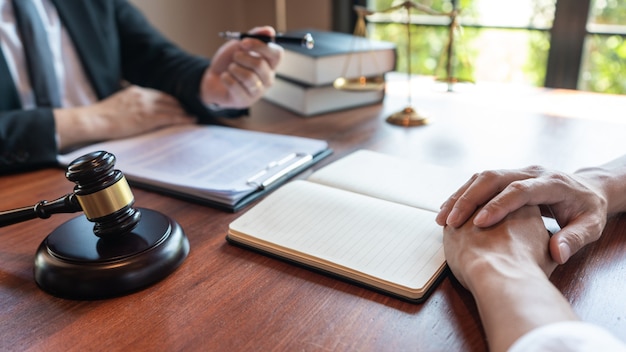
(227, 298)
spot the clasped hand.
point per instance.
(574, 200)
(513, 247)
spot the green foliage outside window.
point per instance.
(508, 55)
(428, 44)
(604, 62)
(608, 12)
(604, 65)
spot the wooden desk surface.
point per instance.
(227, 298)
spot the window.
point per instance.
(579, 44)
(603, 66)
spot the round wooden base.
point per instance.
(74, 263)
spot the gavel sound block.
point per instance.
(112, 250)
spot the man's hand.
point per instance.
(514, 246)
(132, 111)
(506, 268)
(240, 71)
(575, 201)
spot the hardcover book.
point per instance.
(335, 55)
(307, 100)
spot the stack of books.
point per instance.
(304, 78)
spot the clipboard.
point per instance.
(222, 167)
(266, 184)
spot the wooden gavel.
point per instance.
(122, 255)
(101, 193)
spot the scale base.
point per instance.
(74, 263)
(407, 117)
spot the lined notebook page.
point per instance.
(389, 245)
(400, 180)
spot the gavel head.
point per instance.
(104, 194)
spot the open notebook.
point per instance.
(368, 218)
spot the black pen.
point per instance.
(305, 41)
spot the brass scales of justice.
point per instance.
(408, 116)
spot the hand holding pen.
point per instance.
(240, 71)
(305, 41)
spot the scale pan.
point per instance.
(360, 84)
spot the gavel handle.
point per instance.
(42, 210)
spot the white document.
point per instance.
(219, 163)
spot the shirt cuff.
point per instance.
(568, 336)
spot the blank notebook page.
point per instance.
(400, 180)
(386, 241)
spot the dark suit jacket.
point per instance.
(115, 43)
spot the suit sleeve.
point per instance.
(27, 140)
(28, 137)
(150, 60)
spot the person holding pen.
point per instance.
(115, 76)
(497, 247)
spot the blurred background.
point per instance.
(576, 44)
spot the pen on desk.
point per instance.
(305, 41)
